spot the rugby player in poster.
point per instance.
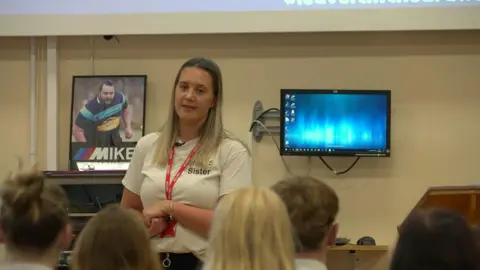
(98, 122)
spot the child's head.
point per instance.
(116, 238)
(435, 238)
(33, 215)
(251, 230)
(313, 207)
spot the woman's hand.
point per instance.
(160, 210)
(157, 226)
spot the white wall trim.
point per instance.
(52, 105)
(33, 103)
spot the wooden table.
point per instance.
(354, 249)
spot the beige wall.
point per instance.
(434, 78)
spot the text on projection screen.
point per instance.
(58, 7)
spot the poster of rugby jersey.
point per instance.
(107, 120)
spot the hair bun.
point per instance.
(22, 193)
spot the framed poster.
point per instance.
(107, 120)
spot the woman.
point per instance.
(180, 174)
(251, 231)
(34, 222)
(435, 239)
(120, 245)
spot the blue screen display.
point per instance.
(335, 122)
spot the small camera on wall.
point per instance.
(108, 38)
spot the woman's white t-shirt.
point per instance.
(228, 169)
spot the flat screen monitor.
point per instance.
(335, 122)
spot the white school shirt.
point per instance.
(24, 266)
(229, 169)
(306, 264)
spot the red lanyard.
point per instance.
(170, 183)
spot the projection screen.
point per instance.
(102, 17)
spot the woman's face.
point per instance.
(194, 95)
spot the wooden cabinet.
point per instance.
(462, 199)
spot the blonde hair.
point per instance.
(33, 213)
(211, 134)
(313, 207)
(116, 238)
(251, 231)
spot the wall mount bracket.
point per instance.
(259, 114)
